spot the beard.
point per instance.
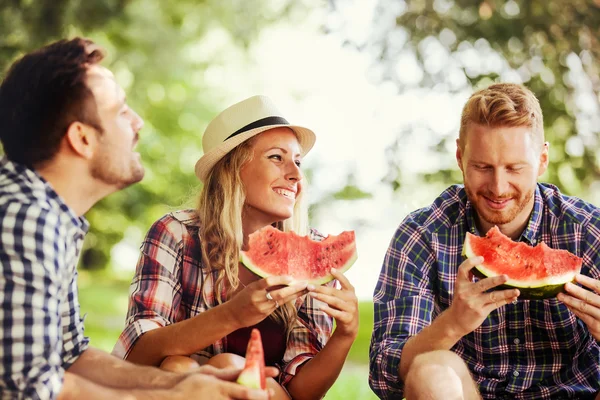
(498, 217)
(108, 169)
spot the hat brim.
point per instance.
(306, 138)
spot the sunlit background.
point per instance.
(382, 83)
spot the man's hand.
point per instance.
(230, 374)
(472, 304)
(584, 303)
(206, 386)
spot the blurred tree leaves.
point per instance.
(166, 54)
(452, 45)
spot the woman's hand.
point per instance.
(260, 298)
(340, 304)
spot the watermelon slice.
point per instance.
(273, 252)
(253, 374)
(538, 272)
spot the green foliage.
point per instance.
(167, 57)
(552, 46)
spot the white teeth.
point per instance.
(286, 193)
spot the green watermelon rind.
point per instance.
(250, 377)
(527, 291)
(318, 281)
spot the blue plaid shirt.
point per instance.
(42, 332)
(530, 349)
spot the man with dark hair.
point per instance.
(69, 139)
(439, 335)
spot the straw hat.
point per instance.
(239, 123)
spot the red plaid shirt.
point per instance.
(166, 289)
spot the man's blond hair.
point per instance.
(503, 104)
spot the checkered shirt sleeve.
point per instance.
(155, 291)
(403, 305)
(42, 331)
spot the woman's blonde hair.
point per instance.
(220, 209)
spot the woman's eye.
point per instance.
(275, 157)
(298, 162)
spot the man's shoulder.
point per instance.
(21, 214)
(569, 209)
(20, 185)
(447, 210)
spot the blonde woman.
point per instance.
(192, 302)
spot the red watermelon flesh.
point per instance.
(273, 252)
(253, 374)
(539, 272)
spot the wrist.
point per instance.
(230, 321)
(343, 337)
(161, 379)
(446, 324)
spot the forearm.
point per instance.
(78, 387)
(183, 338)
(440, 335)
(104, 369)
(318, 375)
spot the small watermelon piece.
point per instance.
(253, 374)
(273, 252)
(538, 272)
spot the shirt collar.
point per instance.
(531, 234)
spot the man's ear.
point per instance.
(544, 159)
(459, 155)
(81, 139)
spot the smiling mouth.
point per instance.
(497, 204)
(286, 193)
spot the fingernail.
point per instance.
(333, 270)
(313, 294)
(311, 287)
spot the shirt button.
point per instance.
(515, 301)
(515, 373)
(516, 341)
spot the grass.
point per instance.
(105, 303)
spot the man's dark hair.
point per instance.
(42, 94)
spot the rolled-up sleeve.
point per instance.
(403, 306)
(31, 293)
(155, 294)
